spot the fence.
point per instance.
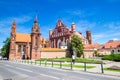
(65, 65)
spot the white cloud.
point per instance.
(97, 36)
(19, 19)
(112, 25)
(23, 29)
(83, 25)
(5, 24)
(115, 39)
(78, 13)
(103, 37)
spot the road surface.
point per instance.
(16, 71)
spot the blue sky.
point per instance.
(102, 17)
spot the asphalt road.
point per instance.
(16, 71)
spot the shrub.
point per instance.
(112, 57)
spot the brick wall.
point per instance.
(53, 54)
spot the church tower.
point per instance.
(89, 36)
(50, 34)
(12, 53)
(73, 27)
(35, 40)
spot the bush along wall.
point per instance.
(112, 57)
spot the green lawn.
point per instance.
(111, 70)
(79, 60)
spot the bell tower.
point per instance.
(12, 53)
(35, 40)
(73, 27)
(89, 36)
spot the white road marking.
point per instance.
(50, 76)
(8, 65)
(23, 69)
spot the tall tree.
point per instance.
(76, 42)
(5, 48)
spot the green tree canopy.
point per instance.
(5, 48)
(76, 42)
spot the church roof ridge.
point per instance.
(23, 33)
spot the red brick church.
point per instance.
(61, 35)
(26, 46)
(29, 46)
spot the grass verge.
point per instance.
(57, 64)
(111, 70)
(79, 60)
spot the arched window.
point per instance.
(118, 50)
(58, 43)
(24, 48)
(19, 48)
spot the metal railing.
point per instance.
(59, 64)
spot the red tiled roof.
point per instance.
(23, 37)
(112, 44)
(92, 46)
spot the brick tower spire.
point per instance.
(35, 40)
(12, 52)
(89, 36)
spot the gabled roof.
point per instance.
(112, 44)
(92, 46)
(23, 37)
(60, 27)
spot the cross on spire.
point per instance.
(36, 17)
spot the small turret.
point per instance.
(36, 28)
(73, 27)
(35, 40)
(13, 31)
(89, 36)
(13, 41)
(50, 33)
(59, 23)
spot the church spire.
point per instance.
(14, 24)
(35, 40)
(13, 29)
(36, 27)
(59, 23)
(36, 19)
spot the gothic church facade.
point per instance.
(61, 35)
(26, 46)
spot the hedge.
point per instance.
(112, 57)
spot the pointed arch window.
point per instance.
(19, 48)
